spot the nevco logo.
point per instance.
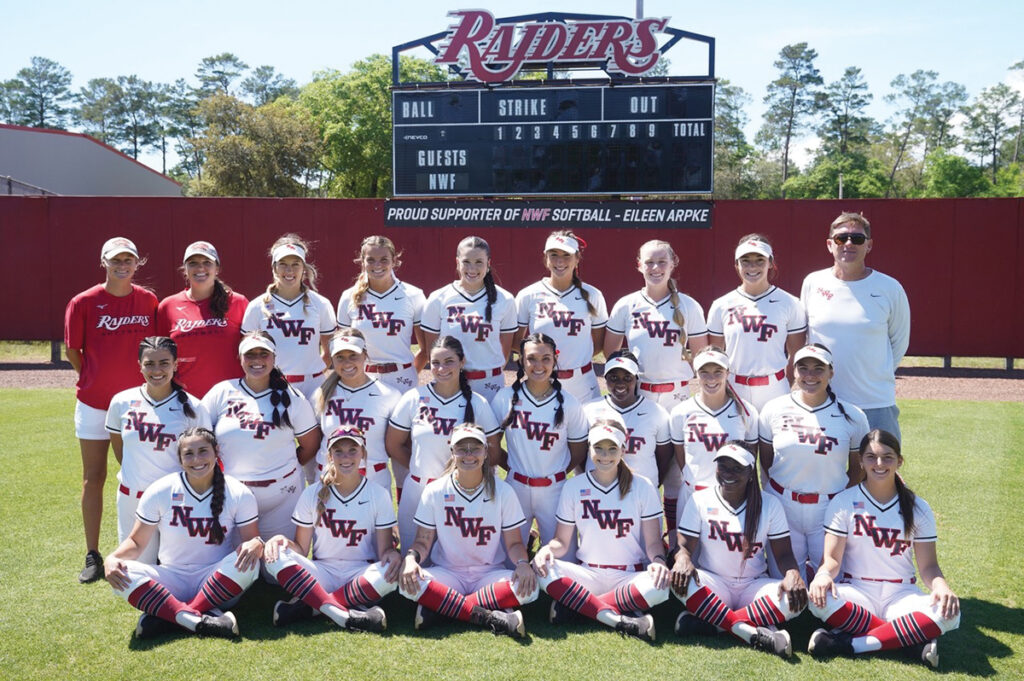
(496, 52)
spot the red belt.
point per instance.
(760, 380)
(418, 479)
(485, 373)
(912, 580)
(696, 488)
(638, 567)
(539, 482)
(377, 468)
(800, 498)
(385, 368)
(568, 373)
(662, 387)
(266, 483)
(299, 378)
(127, 492)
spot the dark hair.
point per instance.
(471, 242)
(773, 266)
(626, 354)
(452, 343)
(217, 500)
(220, 299)
(623, 473)
(828, 386)
(753, 513)
(905, 495)
(165, 343)
(309, 272)
(278, 384)
(331, 382)
(576, 281)
(517, 386)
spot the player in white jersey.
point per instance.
(706, 421)
(720, 570)
(422, 422)
(808, 446)
(574, 314)
(759, 325)
(349, 397)
(874, 604)
(210, 546)
(622, 563)
(545, 434)
(462, 521)
(144, 424)
(258, 419)
(348, 520)
(477, 312)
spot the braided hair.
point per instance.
(165, 343)
(469, 243)
(753, 512)
(673, 293)
(217, 498)
(452, 343)
(309, 272)
(517, 386)
(362, 283)
(906, 497)
(281, 390)
(829, 391)
(576, 281)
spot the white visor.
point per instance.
(466, 431)
(820, 354)
(560, 242)
(710, 357)
(603, 431)
(286, 250)
(736, 453)
(353, 343)
(753, 246)
(252, 342)
(624, 363)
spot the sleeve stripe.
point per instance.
(382, 526)
(514, 525)
(401, 428)
(422, 523)
(564, 521)
(247, 521)
(146, 520)
(652, 515)
(688, 532)
(838, 533)
(307, 430)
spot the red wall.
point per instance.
(960, 260)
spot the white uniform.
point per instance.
(256, 451)
(647, 428)
(149, 432)
(755, 331)
(296, 327)
(367, 408)
(429, 418)
(564, 317)
(812, 453)
(387, 321)
(538, 452)
(450, 311)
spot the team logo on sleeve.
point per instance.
(883, 537)
(291, 328)
(470, 323)
(470, 527)
(607, 518)
(535, 430)
(149, 432)
(348, 416)
(181, 516)
(562, 319)
(752, 323)
(380, 320)
(656, 329)
(719, 530)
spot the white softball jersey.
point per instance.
(646, 426)
(184, 518)
(385, 319)
(536, 447)
(812, 446)
(653, 336)
(609, 527)
(149, 431)
(866, 325)
(719, 527)
(702, 432)
(368, 408)
(347, 529)
(450, 311)
(563, 315)
(877, 547)
(755, 329)
(251, 446)
(295, 326)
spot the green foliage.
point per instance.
(989, 123)
(861, 177)
(732, 151)
(947, 175)
(219, 72)
(265, 85)
(40, 95)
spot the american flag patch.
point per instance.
(585, 492)
(449, 497)
(135, 404)
(177, 498)
(712, 510)
(424, 399)
(859, 505)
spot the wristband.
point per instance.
(522, 561)
(415, 554)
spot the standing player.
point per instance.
(422, 422)
(808, 446)
(197, 512)
(758, 324)
(348, 520)
(875, 605)
(470, 513)
(205, 320)
(618, 517)
(725, 530)
(574, 314)
(144, 423)
(102, 329)
(481, 315)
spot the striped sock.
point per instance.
(445, 601)
(299, 582)
(763, 612)
(905, 631)
(573, 595)
(216, 590)
(154, 599)
(854, 619)
(626, 598)
(710, 608)
(357, 593)
(497, 596)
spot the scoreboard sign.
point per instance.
(572, 140)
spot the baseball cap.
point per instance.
(602, 431)
(288, 249)
(736, 453)
(710, 357)
(346, 342)
(753, 246)
(467, 431)
(814, 352)
(252, 342)
(561, 242)
(346, 433)
(201, 248)
(118, 244)
(624, 363)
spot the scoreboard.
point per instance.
(573, 140)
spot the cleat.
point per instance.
(425, 618)
(93, 569)
(499, 621)
(223, 626)
(638, 627)
(560, 614)
(688, 624)
(777, 642)
(286, 612)
(927, 652)
(151, 626)
(372, 619)
(826, 644)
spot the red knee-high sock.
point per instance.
(854, 619)
(670, 514)
(445, 601)
(299, 582)
(763, 613)
(497, 596)
(626, 598)
(573, 595)
(710, 608)
(217, 590)
(154, 599)
(906, 630)
(357, 593)
(398, 495)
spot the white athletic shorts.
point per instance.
(90, 424)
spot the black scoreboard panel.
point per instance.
(644, 139)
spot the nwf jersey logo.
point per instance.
(883, 537)
(470, 323)
(380, 320)
(698, 432)
(752, 323)
(633, 444)
(469, 527)
(810, 434)
(346, 529)
(181, 516)
(441, 426)
(607, 519)
(562, 319)
(247, 420)
(348, 416)
(149, 432)
(290, 328)
(719, 530)
(656, 329)
(535, 430)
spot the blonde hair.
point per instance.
(673, 292)
(326, 389)
(362, 283)
(487, 469)
(327, 479)
(624, 474)
(729, 390)
(309, 273)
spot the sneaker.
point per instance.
(638, 627)
(223, 626)
(93, 569)
(372, 619)
(286, 612)
(927, 652)
(425, 618)
(777, 642)
(560, 614)
(688, 624)
(151, 626)
(499, 621)
(826, 644)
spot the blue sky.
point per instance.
(972, 43)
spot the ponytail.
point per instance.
(327, 478)
(560, 411)
(741, 408)
(839, 405)
(280, 396)
(220, 300)
(905, 496)
(467, 394)
(217, 505)
(625, 477)
(517, 386)
(362, 282)
(753, 512)
(678, 318)
(182, 396)
(492, 293)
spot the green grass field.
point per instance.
(965, 458)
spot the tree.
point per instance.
(265, 85)
(137, 117)
(40, 93)
(7, 89)
(790, 101)
(987, 123)
(96, 109)
(841, 106)
(217, 73)
(731, 148)
(914, 94)
(1019, 66)
(181, 120)
(947, 175)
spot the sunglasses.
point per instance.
(857, 239)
